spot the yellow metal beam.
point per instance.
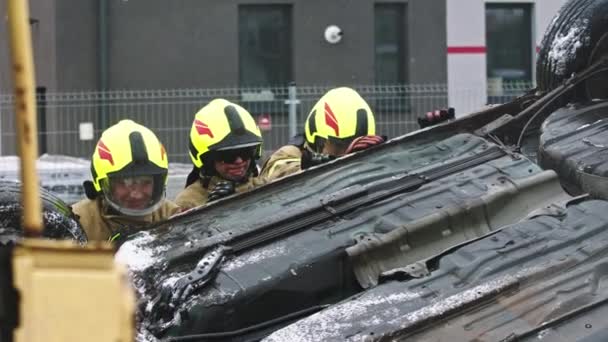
(25, 111)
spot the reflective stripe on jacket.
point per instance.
(281, 163)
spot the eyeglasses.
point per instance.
(230, 156)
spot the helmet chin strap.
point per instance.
(89, 190)
(205, 174)
(131, 212)
(253, 169)
(317, 147)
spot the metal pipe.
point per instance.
(103, 61)
(292, 102)
(25, 112)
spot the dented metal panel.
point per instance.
(574, 143)
(541, 279)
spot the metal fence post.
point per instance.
(292, 102)
(41, 114)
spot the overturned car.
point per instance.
(490, 227)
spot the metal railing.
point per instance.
(169, 113)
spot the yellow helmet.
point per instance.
(130, 154)
(340, 115)
(222, 126)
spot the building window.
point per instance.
(265, 45)
(509, 47)
(390, 33)
(390, 62)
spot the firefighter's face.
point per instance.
(235, 170)
(133, 193)
(334, 149)
(233, 164)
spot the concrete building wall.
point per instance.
(44, 42)
(42, 25)
(197, 44)
(5, 76)
(427, 41)
(77, 44)
(351, 61)
(194, 44)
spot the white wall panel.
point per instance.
(466, 47)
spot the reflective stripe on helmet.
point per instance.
(226, 126)
(339, 114)
(125, 146)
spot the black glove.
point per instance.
(364, 142)
(220, 190)
(310, 159)
(436, 116)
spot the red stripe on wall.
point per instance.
(466, 49)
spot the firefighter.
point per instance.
(225, 143)
(341, 122)
(129, 169)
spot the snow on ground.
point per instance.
(63, 175)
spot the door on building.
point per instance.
(265, 57)
(265, 64)
(389, 43)
(510, 51)
(390, 66)
(265, 45)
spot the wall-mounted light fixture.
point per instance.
(333, 34)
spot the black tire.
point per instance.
(573, 143)
(577, 37)
(59, 221)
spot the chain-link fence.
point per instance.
(64, 118)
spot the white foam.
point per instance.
(136, 255)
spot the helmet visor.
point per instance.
(230, 156)
(134, 195)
